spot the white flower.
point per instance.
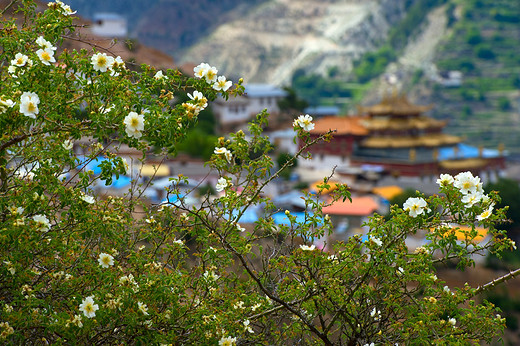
(105, 260)
(29, 104)
(445, 179)
(67, 144)
(76, 321)
(471, 198)
(134, 124)
(46, 56)
(211, 74)
(5, 104)
(21, 60)
(415, 206)
(240, 228)
(143, 308)
(43, 43)
(375, 314)
(452, 321)
(467, 183)
(223, 151)
(88, 307)
(485, 214)
(159, 75)
(64, 9)
(305, 122)
(200, 101)
(222, 84)
(102, 62)
(210, 276)
(87, 198)
(127, 279)
(42, 223)
(376, 240)
(247, 327)
(307, 248)
(200, 70)
(227, 341)
(10, 267)
(222, 183)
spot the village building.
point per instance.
(237, 111)
(396, 137)
(109, 25)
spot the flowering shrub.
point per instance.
(86, 269)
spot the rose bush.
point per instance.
(81, 268)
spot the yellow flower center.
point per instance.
(19, 61)
(134, 122)
(31, 107)
(89, 307)
(46, 56)
(102, 61)
(210, 74)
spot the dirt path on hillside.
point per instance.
(420, 51)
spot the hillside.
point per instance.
(347, 52)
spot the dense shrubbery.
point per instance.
(86, 269)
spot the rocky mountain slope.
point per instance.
(281, 36)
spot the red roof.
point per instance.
(360, 206)
(342, 125)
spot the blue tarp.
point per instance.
(281, 219)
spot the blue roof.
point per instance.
(281, 219)
(465, 151)
(264, 90)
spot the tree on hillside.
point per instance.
(85, 268)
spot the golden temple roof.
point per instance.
(466, 164)
(419, 123)
(428, 140)
(342, 125)
(395, 105)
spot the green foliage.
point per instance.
(291, 102)
(509, 191)
(313, 88)
(373, 64)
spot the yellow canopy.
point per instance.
(461, 231)
(157, 170)
(387, 192)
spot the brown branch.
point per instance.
(497, 281)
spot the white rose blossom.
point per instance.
(42, 223)
(102, 62)
(46, 56)
(159, 75)
(467, 183)
(5, 104)
(105, 260)
(29, 104)
(304, 122)
(445, 179)
(415, 206)
(222, 183)
(21, 60)
(134, 124)
(88, 307)
(307, 248)
(222, 84)
(223, 151)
